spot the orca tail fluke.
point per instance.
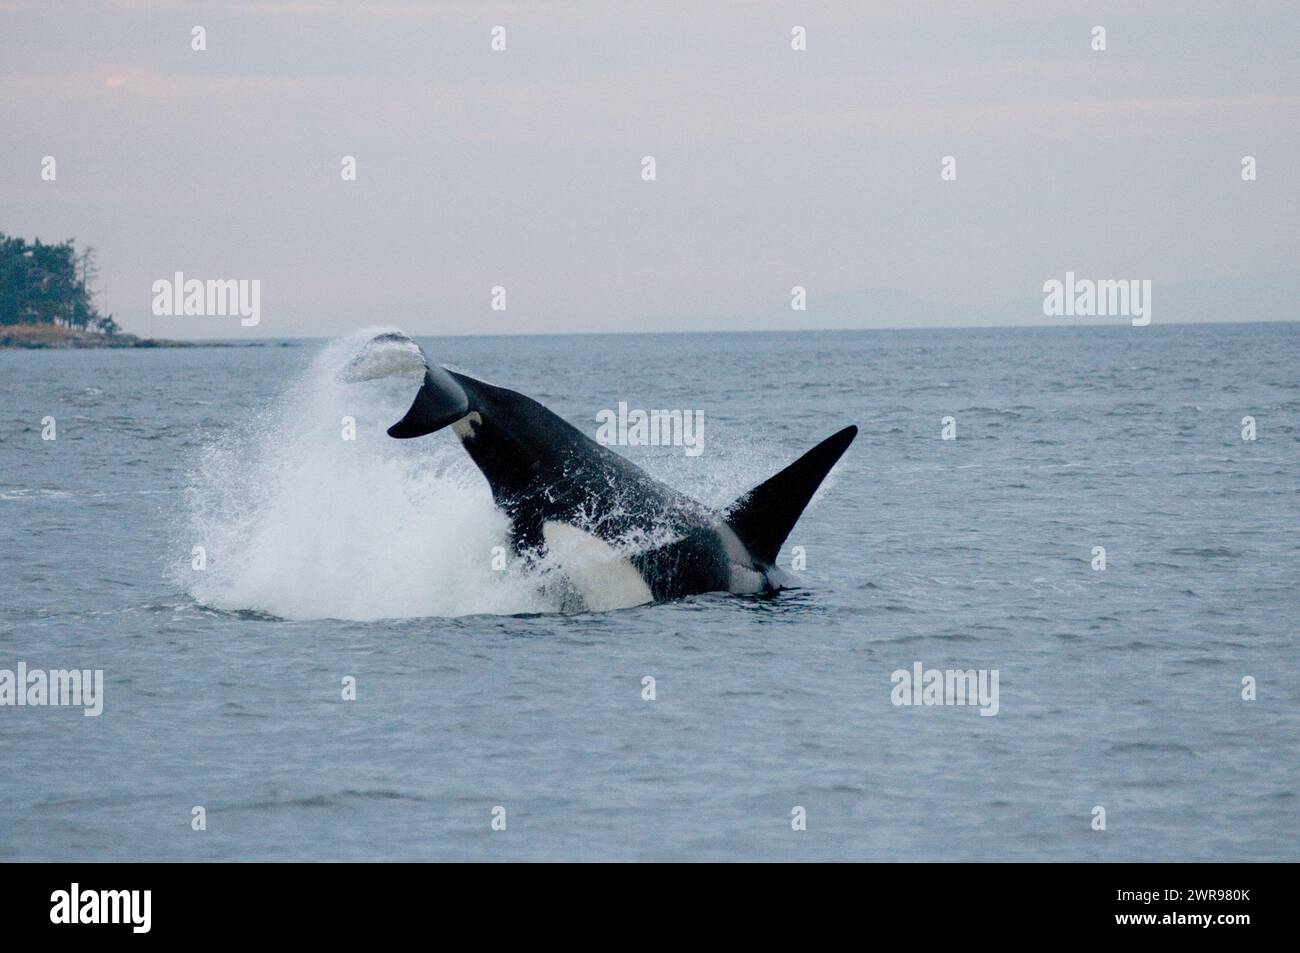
(764, 516)
(439, 402)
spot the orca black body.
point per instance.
(621, 536)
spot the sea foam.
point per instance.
(300, 523)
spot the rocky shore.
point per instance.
(38, 336)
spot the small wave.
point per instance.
(23, 494)
(1206, 552)
(327, 800)
(1150, 747)
(997, 412)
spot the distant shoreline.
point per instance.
(41, 337)
(50, 337)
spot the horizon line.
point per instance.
(812, 330)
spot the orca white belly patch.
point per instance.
(603, 578)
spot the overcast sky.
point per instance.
(774, 167)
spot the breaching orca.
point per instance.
(620, 537)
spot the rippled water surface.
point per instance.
(371, 558)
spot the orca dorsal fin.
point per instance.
(764, 516)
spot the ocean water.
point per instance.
(370, 559)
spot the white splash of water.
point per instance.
(302, 524)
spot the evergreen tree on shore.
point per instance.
(47, 284)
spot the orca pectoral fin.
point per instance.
(764, 516)
(439, 402)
